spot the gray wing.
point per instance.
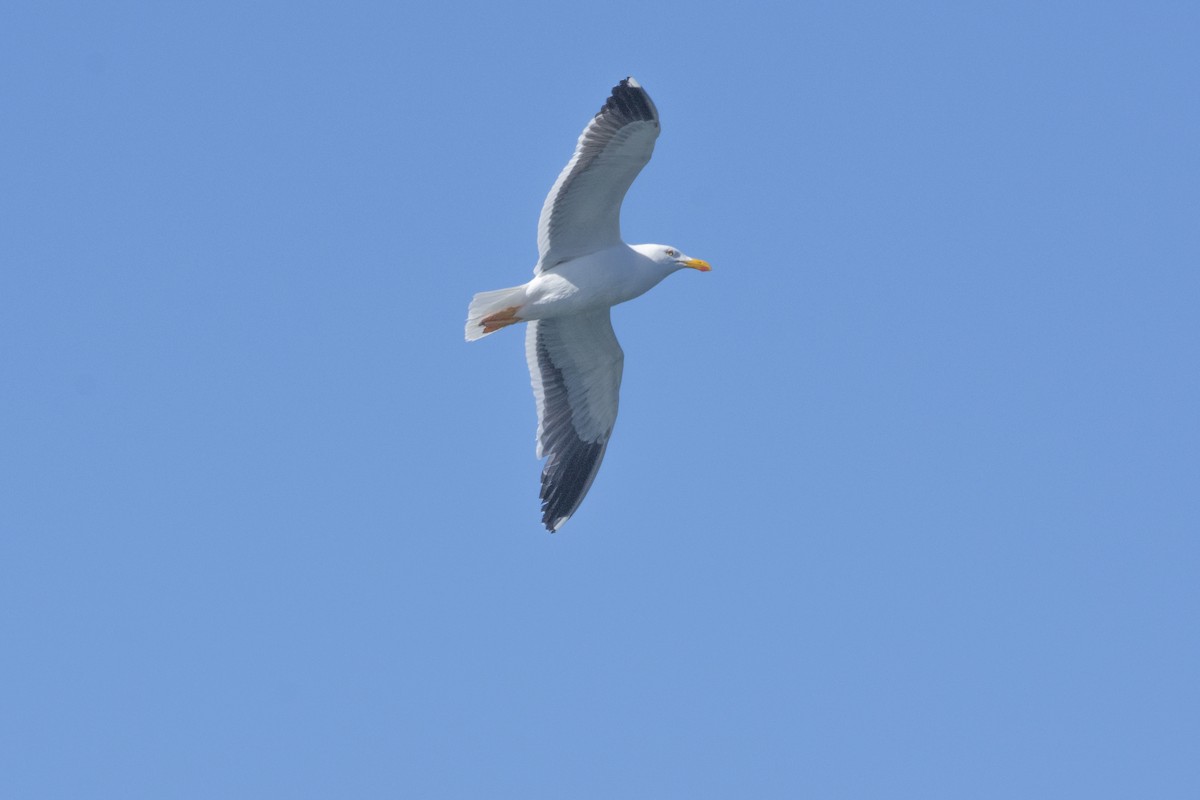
(582, 213)
(575, 366)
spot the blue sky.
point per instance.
(902, 500)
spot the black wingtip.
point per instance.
(566, 478)
(630, 100)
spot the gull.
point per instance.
(583, 270)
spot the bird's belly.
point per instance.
(576, 288)
(559, 298)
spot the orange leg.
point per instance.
(501, 319)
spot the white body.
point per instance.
(577, 286)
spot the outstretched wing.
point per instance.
(582, 213)
(575, 366)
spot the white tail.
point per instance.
(486, 303)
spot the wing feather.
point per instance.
(582, 212)
(575, 365)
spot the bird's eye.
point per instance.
(672, 252)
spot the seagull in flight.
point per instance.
(583, 270)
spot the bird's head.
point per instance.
(670, 258)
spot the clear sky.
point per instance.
(903, 498)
